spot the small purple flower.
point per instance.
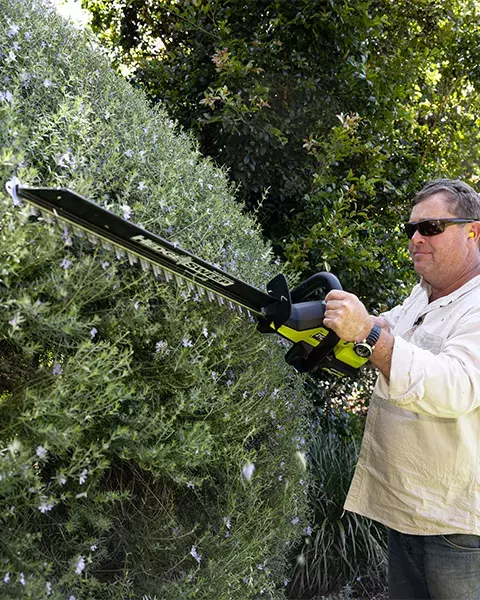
(83, 476)
(127, 212)
(105, 265)
(14, 29)
(308, 530)
(80, 566)
(6, 96)
(41, 452)
(248, 470)
(160, 346)
(295, 520)
(45, 506)
(22, 578)
(93, 332)
(15, 321)
(205, 332)
(57, 369)
(195, 554)
(141, 186)
(47, 83)
(6, 579)
(48, 585)
(66, 264)
(187, 342)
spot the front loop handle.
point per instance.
(313, 283)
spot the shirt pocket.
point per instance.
(428, 341)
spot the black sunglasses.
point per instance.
(431, 227)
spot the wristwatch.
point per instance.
(366, 347)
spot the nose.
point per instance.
(417, 237)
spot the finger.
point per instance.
(336, 295)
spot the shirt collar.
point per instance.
(445, 300)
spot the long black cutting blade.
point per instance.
(165, 258)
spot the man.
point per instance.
(418, 471)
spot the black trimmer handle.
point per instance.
(313, 283)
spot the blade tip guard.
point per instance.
(11, 187)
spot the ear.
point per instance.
(474, 232)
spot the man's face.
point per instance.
(443, 258)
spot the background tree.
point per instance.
(329, 115)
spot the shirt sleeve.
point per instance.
(442, 385)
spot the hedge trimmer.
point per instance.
(279, 310)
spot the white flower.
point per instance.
(22, 578)
(248, 470)
(47, 83)
(93, 332)
(6, 579)
(205, 332)
(80, 566)
(187, 342)
(49, 588)
(141, 185)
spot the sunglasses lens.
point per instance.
(429, 228)
(426, 228)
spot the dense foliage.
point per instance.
(328, 113)
(150, 444)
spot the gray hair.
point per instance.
(463, 199)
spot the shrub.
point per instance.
(131, 414)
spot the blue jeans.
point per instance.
(443, 567)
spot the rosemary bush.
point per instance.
(150, 444)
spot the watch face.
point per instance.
(362, 350)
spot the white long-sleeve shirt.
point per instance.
(419, 466)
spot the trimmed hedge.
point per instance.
(151, 444)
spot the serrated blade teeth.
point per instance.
(106, 245)
(145, 264)
(210, 296)
(132, 259)
(47, 217)
(231, 305)
(32, 211)
(158, 272)
(240, 309)
(78, 232)
(220, 300)
(168, 276)
(92, 238)
(119, 253)
(179, 279)
(190, 286)
(201, 290)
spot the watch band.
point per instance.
(365, 348)
(372, 337)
